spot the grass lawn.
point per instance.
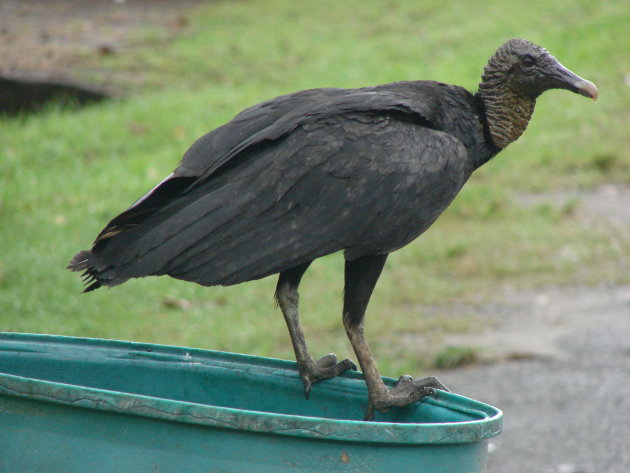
(64, 173)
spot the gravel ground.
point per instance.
(565, 396)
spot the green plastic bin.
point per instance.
(86, 405)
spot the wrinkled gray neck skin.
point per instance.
(507, 112)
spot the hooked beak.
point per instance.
(586, 88)
(565, 79)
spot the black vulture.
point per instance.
(364, 171)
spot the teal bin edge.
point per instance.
(474, 421)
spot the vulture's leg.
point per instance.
(310, 370)
(361, 277)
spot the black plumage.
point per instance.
(298, 185)
(363, 171)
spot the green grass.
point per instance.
(64, 174)
(453, 357)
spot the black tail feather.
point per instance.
(97, 270)
(83, 261)
(147, 206)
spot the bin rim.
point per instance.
(487, 425)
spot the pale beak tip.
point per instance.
(588, 89)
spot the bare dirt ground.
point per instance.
(556, 360)
(55, 39)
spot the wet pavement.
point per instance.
(566, 405)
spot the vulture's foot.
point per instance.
(406, 391)
(324, 368)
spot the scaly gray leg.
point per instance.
(361, 276)
(310, 370)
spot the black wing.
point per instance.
(361, 182)
(262, 124)
(278, 172)
(270, 120)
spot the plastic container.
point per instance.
(86, 405)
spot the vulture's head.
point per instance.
(530, 70)
(517, 73)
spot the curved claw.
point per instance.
(406, 391)
(324, 368)
(430, 383)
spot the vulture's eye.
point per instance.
(528, 61)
